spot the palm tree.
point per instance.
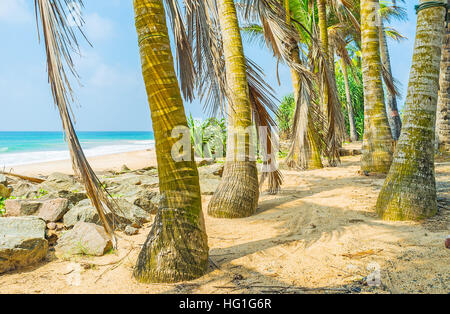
(238, 193)
(388, 12)
(351, 116)
(409, 192)
(378, 142)
(443, 107)
(176, 248)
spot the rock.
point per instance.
(3, 180)
(73, 197)
(60, 182)
(54, 210)
(213, 171)
(349, 152)
(22, 242)
(52, 226)
(15, 208)
(82, 212)
(129, 230)
(25, 190)
(144, 199)
(209, 186)
(205, 162)
(5, 192)
(125, 168)
(447, 242)
(129, 214)
(84, 238)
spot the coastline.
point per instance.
(134, 160)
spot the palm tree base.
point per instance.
(176, 249)
(238, 193)
(407, 196)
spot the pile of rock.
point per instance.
(58, 214)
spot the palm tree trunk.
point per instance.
(351, 115)
(314, 161)
(378, 142)
(443, 107)
(394, 119)
(176, 248)
(323, 28)
(409, 192)
(238, 193)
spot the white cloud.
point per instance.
(14, 11)
(98, 28)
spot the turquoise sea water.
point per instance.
(18, 148)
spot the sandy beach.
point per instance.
(320, 234)
(133, 160)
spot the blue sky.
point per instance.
(112, 97)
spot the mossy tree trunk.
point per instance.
(409, 192)
(378, 142)
(176, 248)
(238, 193)
(394, 119)
(351, 115)
(443, 107)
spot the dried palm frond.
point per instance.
(262, 99)
(60, 40)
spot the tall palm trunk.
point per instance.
(378, 142)
(238, 193)
(351, 115)
(394, 119)
(409, 192)
(323, 28)
(443, 107)
(176, 248)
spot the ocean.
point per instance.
(20, 148)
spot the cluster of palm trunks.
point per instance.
(209, 38)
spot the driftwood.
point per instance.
(31, 179)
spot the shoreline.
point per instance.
(137, 159)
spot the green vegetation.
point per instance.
(285, 117)
(208, 137)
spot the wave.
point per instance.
(3, 149)
(16, 159)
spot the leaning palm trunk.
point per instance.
(378, 142)
(238, 193)
(351, 115)
(394, 119)
(176, 248)
(443, 107)
(409, 192)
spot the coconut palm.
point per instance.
(378, 141)
(238, 193)
(409, 192)
(443, 111)
(176, 248)
(389, 12)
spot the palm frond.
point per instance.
(60, 40)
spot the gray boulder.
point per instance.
(213, 171)
(22, 242)
(54, 210)
(24, 190)
(60, 182)
(82, 212)
(73, 197)
(15, 207)
(84, 238)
